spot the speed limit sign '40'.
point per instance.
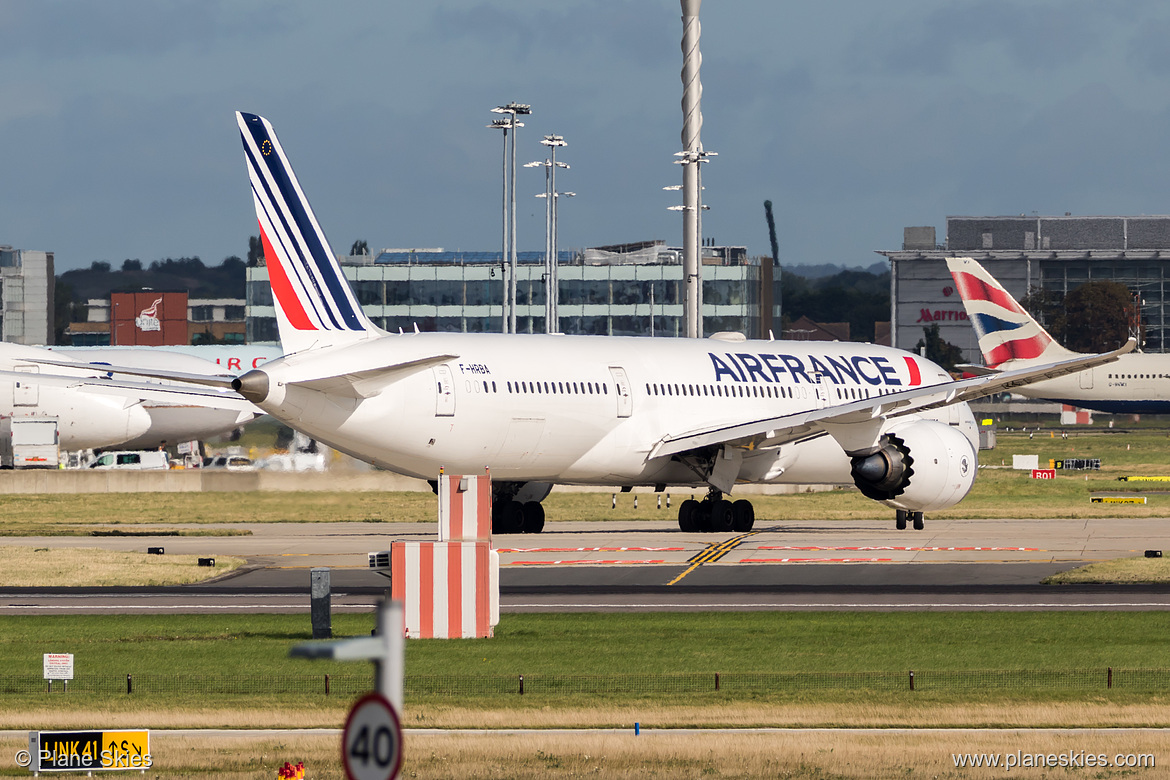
(371, 746)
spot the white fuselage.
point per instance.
(1137, 383)
(92, 418)
(586, 410)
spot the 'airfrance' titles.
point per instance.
(750, 367)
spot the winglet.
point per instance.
(1005, 330)
(315, 305)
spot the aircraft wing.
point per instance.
(217, 380)
(175, 394)
(774, 431)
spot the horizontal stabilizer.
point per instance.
(368, 382)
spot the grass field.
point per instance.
(588, 644)
(792, 756)
(609, 643)
(71, 567)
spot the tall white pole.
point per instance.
(509, 301)
(549, 271)
(512, 234)
(692, 149)
(554, 285)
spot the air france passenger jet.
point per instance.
(1010, 338)
(540, 410)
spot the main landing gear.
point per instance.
(515, 517)
(916, 518)
(715, 513)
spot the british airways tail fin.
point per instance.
(1005, 330)
(315, 306)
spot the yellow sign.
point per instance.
(1143, 479)
(88, 751)
(1117, 499)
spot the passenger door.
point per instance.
(625, 401)
(445, 391)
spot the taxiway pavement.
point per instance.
(651, 565)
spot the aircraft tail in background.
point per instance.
(1006, 332)
(315, 306)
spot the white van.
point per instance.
(133, 461)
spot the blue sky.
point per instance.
(855, 118)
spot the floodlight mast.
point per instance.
(551, 252)
(505, 125)
(514, 110)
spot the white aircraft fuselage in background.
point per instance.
(91, 417)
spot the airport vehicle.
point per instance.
(230, 463)
(91, 416)
(29, 443)
(1010, 338)
(139, 460)
(540, 410)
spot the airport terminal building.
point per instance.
(1054, 253)
(26, 296)
(626, 290)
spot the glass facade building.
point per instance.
(600, 292)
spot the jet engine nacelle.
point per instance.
(921, 465)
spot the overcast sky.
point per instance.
(855, 118)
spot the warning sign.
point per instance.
(58, 666)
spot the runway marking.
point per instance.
(816, 560)
(845, 605)
(236, 606)
(902, 549)
(583, 560)
(587, 549)
(713, 552)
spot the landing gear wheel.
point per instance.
(918, 520)
(688, 515)
(900, 519)
(533, 522)
(703, 517)
(721, 515)
(743, 516)
(507, 517)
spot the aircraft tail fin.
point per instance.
(315, 306)
(1005, 330)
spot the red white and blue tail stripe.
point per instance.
(1005, 330)
(315, 305)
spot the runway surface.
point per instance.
(651, 565)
